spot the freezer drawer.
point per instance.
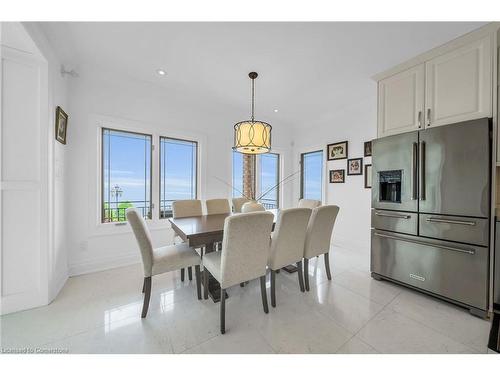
(455, 228)
(395, 221)
(457, 272)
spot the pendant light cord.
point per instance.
(253, 97)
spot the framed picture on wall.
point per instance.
(368, 148)
(337, 151)
(355, 167)
(368, 176)
(61, 125)
(337, 176)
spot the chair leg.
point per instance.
(182, 274)
(301, 278)
(190, 273)
(143, 285)
(327, 266)
(147, 295)
(273, 288)
(306, 273)
(263, 293)
(205, 283)
(222, 310)
(198, 280)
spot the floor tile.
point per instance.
(450, 320)
(356, 346)
(348, 309)
(392, 332)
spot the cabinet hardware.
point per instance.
(460, 222)
(419, 119)
(396, 216)
(472, 252)
(428, 117)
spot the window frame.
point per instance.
(279, 169)
(197, 177)
(101, 163)
(301, 161)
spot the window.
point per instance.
(126, 174)
(268, 177)
(311, 175)
(237, 174)
(178, 172)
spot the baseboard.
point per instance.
(103, 264)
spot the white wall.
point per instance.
(356, 124)
(57, 96)
(102, 98)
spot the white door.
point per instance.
(401, 102)
(459, 84)
(23, 203)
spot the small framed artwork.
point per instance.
(368, 148)
(61, 125)
(355, 167)
(337, 151)
(337, 176)
(368, 176)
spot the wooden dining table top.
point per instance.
(204, 229)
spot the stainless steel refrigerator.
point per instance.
(431, 211)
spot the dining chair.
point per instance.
(238, 204)
(318, 237)
(217, 206)
(245, 250)
(186, 208)
(252, 207)
(162, 259)
(287, 244)
(309, 203)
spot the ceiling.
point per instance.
(306, 70)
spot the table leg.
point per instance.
(213, 284)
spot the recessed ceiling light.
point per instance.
(161, 72)
(275, 110)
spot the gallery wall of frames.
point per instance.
(355, 166)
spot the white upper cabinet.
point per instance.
(458, 84)
(401, 102)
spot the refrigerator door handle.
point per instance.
(422, 170)
(417, 242)
(396, 216)
(414, 177)
(460, 222)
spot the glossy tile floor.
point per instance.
(100, 313)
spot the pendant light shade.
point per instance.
(251, 136)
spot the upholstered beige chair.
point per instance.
(252, 207)
(318, 237)
(309, 203)
(186, 208)
(245, 250)
(238, 203)
(162, 259)
(218, 206)
(287, 244)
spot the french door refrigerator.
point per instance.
(431, 211)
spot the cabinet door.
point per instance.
(459, 84)
(401, 102)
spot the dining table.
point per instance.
(206, 231)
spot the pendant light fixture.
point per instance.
(251, 136)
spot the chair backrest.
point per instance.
(245, 247)
(309, 203)
(289, 236)
(218, 206)
(143, 238)
(186, 208)
(238, 203)
(319, 231)
(252, 207)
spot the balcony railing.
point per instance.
(114, 212)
